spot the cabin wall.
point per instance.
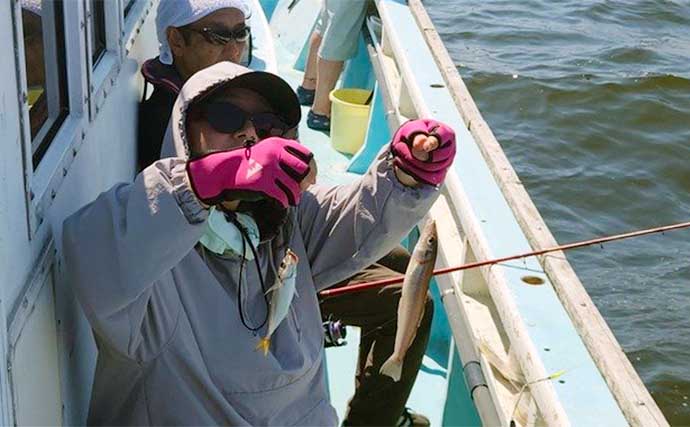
(41, 324)
(14, 228)
(14, 248)
(8, 189)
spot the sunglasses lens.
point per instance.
(269, 124)
(223, 37)
(225, 117)
(217, 39)
(241, 35)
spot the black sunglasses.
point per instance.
(228, 118)
(222, 37)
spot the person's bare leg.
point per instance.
(309, 79)
(328, 73)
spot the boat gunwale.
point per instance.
(512, 322)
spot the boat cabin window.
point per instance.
(128, 6)
(46, 77)
(98, 40)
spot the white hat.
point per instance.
(177, 13)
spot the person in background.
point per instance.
(176, 318)
(375, 311)
(333, 41)
(192, 35)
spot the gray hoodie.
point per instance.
(172, 347)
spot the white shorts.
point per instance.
(339, 24)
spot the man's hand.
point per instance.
(424, 149)
(274, 167)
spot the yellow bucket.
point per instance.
(349, 119)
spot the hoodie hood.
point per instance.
(274, 89)
(162, 75)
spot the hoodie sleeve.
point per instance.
(346, 228)
(116, 247)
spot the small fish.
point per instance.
(282, 293)
(413, 298)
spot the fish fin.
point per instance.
(274, 287)
(392, 368)
(263, 345)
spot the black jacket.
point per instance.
(154, 113)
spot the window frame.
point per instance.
(46, 134)
(87, 89)
(36, 178)
(94, 17)
(48, 131)
(132, 23)
(128, 6)
(101, 76)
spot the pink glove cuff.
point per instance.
(433, 170)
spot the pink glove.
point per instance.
(433, 170)
(273, 167)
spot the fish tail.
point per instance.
(263, 345)
(392, 367)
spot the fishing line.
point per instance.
(524, 387)
(559, 248)
(556, 257)
(245, 240)
(376, 329)
(381, 326)
(517, 267)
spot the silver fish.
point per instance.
(282, 293)
(413, 298)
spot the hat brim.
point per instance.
(271, 87)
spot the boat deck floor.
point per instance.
(429, 393)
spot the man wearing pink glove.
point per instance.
(194, 34)
(177, 307)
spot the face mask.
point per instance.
(222, 237)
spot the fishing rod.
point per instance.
(378, 283)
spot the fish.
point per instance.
(413, 299)
(282, 293)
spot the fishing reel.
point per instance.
(334, 332)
